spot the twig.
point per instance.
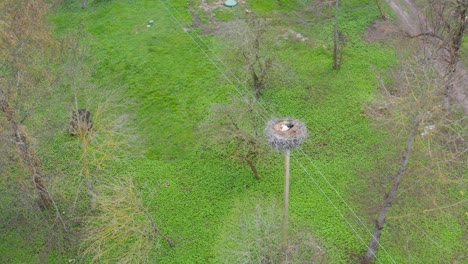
(428, 210)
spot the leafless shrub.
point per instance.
(121, 230)
(255, 236)
(237, 123)
(24, 41)
(250, 45)
(414, 103)
(442, 30)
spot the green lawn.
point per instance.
(195, 195)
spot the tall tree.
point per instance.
(446, 22)
(336, 64)
(442, 29)
(413, 106)
(251, 52)
(391, 195)
(378, 3)
(339, 39)
(24, 37)
(258, 62)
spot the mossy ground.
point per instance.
(171, 81)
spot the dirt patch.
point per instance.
(203, 15)
(290, 34)
(209, 7)
(381, 30)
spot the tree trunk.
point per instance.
(257, 83)
(389, 198)
(28, 155)
(381, 11)
(253, 168)
(460, 27)
(336, 64)
(455, 42)
(155, 227)
(23, 33)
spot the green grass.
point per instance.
(17, 238)
(189, 189)
(274, 5)
(157, 67)
(464, 51)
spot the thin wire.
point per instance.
(240, 93)
(246, 94)
(264, 119)
(334, 206)
(344, 201)
(428, 236)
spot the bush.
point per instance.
(254, 235)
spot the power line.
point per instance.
(342, 199)
(246, 94)
(252, 99)
(334, 206)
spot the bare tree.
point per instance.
(412, 107)
(339, 40)
(251, 47)
(121, 219)
(103, 134)
(23, 38)
(253, 235)
(96, 118)
(442, 30)
(446, 21)
(378, 3)
(239, 123)
(390, 196)
(253, 51)
(336, 64)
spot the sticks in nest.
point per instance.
(286, 133)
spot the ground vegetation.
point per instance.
(153, 175)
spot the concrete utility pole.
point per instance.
(286, 134)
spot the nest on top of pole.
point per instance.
(285, 133)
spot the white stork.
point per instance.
(286, 127)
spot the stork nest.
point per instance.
(283, 139)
